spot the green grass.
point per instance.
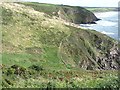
(48, 60)
(22, 59)
(47, 8)
(100, 9)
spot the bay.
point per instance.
(107, 25)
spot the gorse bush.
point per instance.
(37, 68)
(36, 76)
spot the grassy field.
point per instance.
(101, 9)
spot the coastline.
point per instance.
(107, 25)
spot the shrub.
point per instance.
(18, 69)
(35, 67)
(10, 71)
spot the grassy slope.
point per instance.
(28, 37)
(34, 38)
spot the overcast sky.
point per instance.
(89, 3)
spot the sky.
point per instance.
(89, 3)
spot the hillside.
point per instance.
(74, 14)
(41, 47)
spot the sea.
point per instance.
(107, 25)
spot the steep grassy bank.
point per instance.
(39, 50)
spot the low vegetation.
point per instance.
(101, 9)
(36, 76)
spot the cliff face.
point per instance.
(72, 14)
(32, 36)
(76, 15)
(110, 60)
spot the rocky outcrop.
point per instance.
(77, 15)
(111, 60)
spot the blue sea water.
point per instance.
(107, 25)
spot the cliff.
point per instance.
(26, 30)
(74, 14)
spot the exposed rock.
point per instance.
(111, 61)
